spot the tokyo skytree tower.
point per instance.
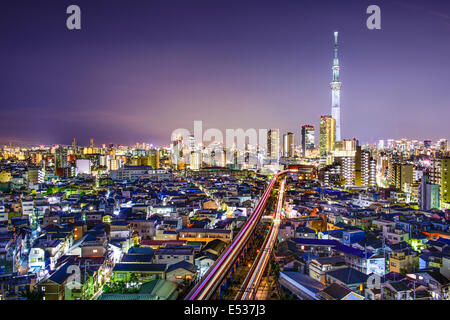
(336, 91)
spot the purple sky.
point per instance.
(140, 69)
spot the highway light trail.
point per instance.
(219, 269)
(253, 279)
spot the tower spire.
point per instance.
(335, 44)
(336, 90)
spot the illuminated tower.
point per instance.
(273, 144)
(288, 145)
(307, 139)
(327, 134)
(336, 91)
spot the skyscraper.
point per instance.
(327, 134)
(273, 144)
(307, 139)
(336, 91)
(288, 145)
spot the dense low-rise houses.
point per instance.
(130, 220)
(116, 214)
(362, 244)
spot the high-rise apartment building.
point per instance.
(365, 168)
(445, 182)
(428, 194)
(399, 174)
(435, 171)
(348, 170)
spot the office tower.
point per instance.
(307, 139)
(288, 145)
(273, 144)
(92, 143)
(445, 182)
(223, 160)
(74, 146)
(380, 144)
(428, 194)
(177, 151)
(235, 165)
(336, 91)
(327, 134)
(190, 145)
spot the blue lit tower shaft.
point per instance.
(336, 91)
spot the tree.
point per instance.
(133, 279)
(275, 270)
(31, 295)
(284, 296)
(186, 283)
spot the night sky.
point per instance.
(140, 69)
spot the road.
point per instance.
(253, 279)
(219, 270)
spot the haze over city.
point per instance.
(137, 72)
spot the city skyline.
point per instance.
(153, 76)
(283, 151)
